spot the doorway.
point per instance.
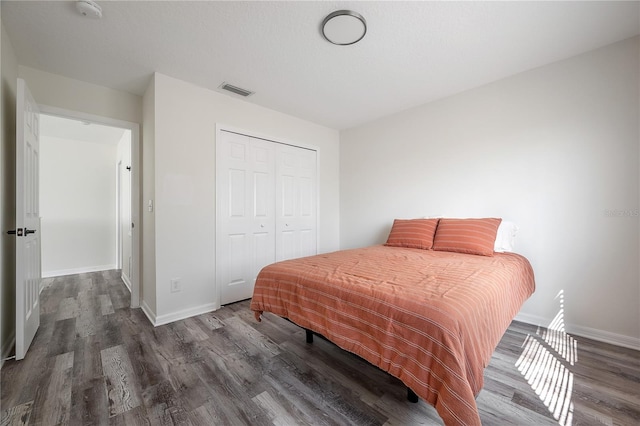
(89, 196)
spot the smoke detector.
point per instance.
(89, 8)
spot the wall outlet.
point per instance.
(176, 285)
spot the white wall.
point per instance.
(185, 120)
(75, 95)
(8, 89)
(77, 206)
(554, 149)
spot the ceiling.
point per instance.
(413, 52)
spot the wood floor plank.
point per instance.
(224, 367)
(496, 410)
(87, 364)
(88, 403)
(354, 382)
(137, 416)
(211, 321)
(144, 360)
(64, 337)
(68, 308)
(398, 412)
(193, 391)
(110, 331)
(164, 405)
(106, 307)
(89, 320)
(331, 395)
(121, 380)
(18, 415)
(131, 321)
(20, 379)
(307, 404)
(57, 405)
(119, 295)
(233, 400)
(252, 337)
(277, 413)
(210, 413)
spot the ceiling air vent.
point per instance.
(237, 90)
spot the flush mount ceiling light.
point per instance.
(344, 27)
(89, 8)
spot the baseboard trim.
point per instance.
(7, 347)
(126, 281)
(151, 316)
(186, 313)
(590, 333)
(73, 271)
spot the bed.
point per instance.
(431, 318)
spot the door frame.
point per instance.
(216, 238)
(135, 183)
(118, 216)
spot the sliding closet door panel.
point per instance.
(246, 223)
(236, 247)
(263, 213)
(288, 196)
(237, 198)
(308, 203)
(296, 200)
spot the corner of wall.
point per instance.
(148, 258)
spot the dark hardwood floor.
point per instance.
(95, 361)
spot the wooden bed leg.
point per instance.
(309, 336)
(411, 396)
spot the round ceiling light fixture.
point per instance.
(344, 27)
(89, 8)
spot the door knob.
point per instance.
(19, 231)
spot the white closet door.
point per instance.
(296, 202)
(246, 184)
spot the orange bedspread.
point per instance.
(430, 318)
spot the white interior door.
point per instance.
(124, 229)
(28, 273)
(245, 194)
(296, 202)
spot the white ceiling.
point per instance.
(82, 131)
(413, 52)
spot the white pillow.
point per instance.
(506, 237)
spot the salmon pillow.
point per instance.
(471, 236)
(412, 233)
